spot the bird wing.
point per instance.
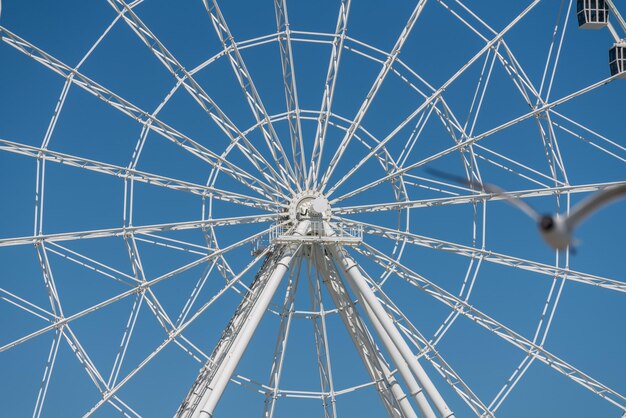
(489, 188)
(594, 202)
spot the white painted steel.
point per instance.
(392, 395)
(205, 394)
(269, 187)
(356, 279)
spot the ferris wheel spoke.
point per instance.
(533, 98)
(380, 78)
(512, 166)
(329, 92)
(541, 333)
(195, 292)
(457, 199)
(145, 229)
(490, 256)
(457, 14)
(149, 297)
(137, 114)
(140, 176)
(61, 321)
(470, 141)
(91, 264)
(291, 91)
(429, 101)
(415, 135)
(83, 358)
(618, 148)
(172, 335)
(173, 244)
(91, 370)
(481, 89)
(552, 61)
(125, 341)
(429, 352)
(47, 374)
(49, 282)
(252, 96)
(495, 327)
(195, 90)
(26, 305)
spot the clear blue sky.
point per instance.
(587, 329)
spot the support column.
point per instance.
(215, 375)
(394, 399)
(377, 313)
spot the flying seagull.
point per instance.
(555, 229)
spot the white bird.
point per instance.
(556, 229)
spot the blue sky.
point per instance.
(586, 329)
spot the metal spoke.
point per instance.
(436, 95)
(196, 91)
(404, 35)
(291, 91)
(491, 256)
(496, 327)
(252, 96)
(137, 114)
(26, 306)
(47, 374)
(475, 198)
(329, 92)
(140, 287)
(136, 175)
(146, 229)
(91, 264)
(125, 341)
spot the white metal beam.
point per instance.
(499, 329)
(329, 91)
(252, 96)
(144, 229)
(291, 91)
(492, 257)
(393, 397)
(196, 91)
(137, 114)
(378, 82)
(211, 383)
(137, 175)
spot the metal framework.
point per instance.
(348, 221)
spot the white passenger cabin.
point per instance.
(592, 14)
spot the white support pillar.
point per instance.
(389, 334)
(391, 393)
(213, 388)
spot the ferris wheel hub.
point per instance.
(309, 205)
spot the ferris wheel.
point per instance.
(229, 208)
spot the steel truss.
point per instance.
(306, 248)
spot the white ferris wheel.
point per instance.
(216, 208)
